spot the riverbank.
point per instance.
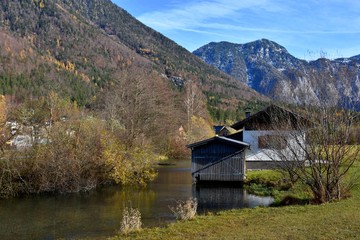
(337, 220)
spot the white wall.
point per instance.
(257, 154)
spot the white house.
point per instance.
(21, 142)
(273, 137)
(261, 141)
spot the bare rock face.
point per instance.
(269, 69)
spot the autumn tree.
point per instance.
(317, 150)
(195, 106)
(59, 107)
(141, 108)
(2, 110)
(32, 116)
(71, 161)
(192, 101)
(7, 128)
(3, 114)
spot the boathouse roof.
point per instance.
(218, 138)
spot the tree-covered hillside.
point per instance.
(82, 47)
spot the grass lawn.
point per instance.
(336, 220)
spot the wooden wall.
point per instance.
(211, 152)
(218, 161)
(226, 169)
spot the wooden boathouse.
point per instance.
(218, 159)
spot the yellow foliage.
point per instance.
(114, 156)
(22, 54)
(85, 77)
(70, 66)
(200, 129)
(128, 62)
(2, 110)
(60, 107)
(31, 38)
(145, 50)
(42, 4)
(132, 166)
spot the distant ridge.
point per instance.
(268, 68)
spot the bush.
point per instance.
(128, 166)
(78, 156)
(131, 220)
(273, 183)
(71, 161)
(269, 178)
(11, 182)
(185, 210)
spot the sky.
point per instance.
(308, 29)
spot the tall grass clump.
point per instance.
(131, 220)
(185, 210)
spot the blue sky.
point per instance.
(308, 29)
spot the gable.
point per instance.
(220, 148)
(270, 118)
(220, 140)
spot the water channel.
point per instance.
(98, 213)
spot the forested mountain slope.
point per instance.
(83, 47)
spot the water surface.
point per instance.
(98, 213)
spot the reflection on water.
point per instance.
(213, 198)
(98, 213)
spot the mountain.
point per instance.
(268, 68)
(81, 48)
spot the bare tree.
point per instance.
(194, 102)
(140, 107)
(195, 105)
(4, 134)
(313, 147)
(191, 94)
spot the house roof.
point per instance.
(266, 117)
(227, 129)
(237, 135)
(218, 128)
(218, 138)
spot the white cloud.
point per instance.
(299, 25)
(196, 14)
(245, 14)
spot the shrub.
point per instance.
(269, 178)
(131, 220)
(185, 210)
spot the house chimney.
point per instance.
(247, 114)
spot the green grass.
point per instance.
(268, 178)
(273, 183)
(336, 220)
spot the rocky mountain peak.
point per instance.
(270, 69)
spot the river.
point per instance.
(98, 213)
